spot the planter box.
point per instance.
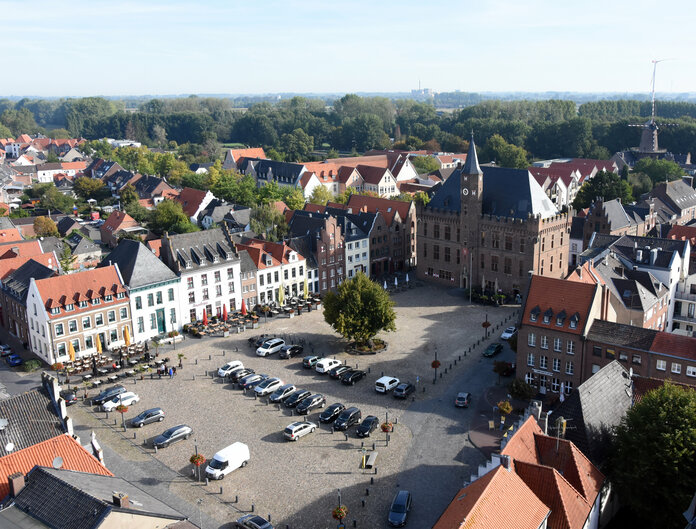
(292, 315)
(255, 325)
(225, 334)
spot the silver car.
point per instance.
(147, 417)
(282, 393)
(298, 429)
(268, 386)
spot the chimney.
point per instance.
(653, 256)
(120, 499)
(505, 462)
(16, 482)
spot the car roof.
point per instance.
(463, 394)
(150, 410)
(401, 496)
(351, 409)
(174, 428)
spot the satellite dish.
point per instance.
(57, 462)
(9, 447)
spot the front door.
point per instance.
(542, 384)
(160, 321)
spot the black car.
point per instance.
(147, 417)
(404, 390)
(337, 371)
(310, 361)
(172, 435)
(69, 396)
(108, 394)
(330, 413)
(256, 342)
(282, 393)
(288, 351)
(351, 377)
(236, 376)
(309, 403)
(493, 350)
(251, 381)
(398, 513)
(297, 397)
(348, 418)
(368, 426)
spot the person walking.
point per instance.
(171, 373)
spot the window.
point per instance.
(89, 342)
(544, 343)
(150, 300)
(141, 324)
(120, 295)
(276, 276)
(574, 322)
(530, 359)
(261, 279)
(447, 254)
(218, 290)
(531, 339)
(68, 308)
(447, 233)
(285, 274)
(96, 301)
(205, 294)
(522, 245)
(637, 359)
(124, 313)
(230, 288)
(508, 242)
(611, 354)
(690, 371)
(170, 294)
(555, 384)
(153, 321)
(676, 368)
(192, 297)
(507, 266)
(494, 263)
(204, 279)
(529, 379)
(111, 316)
(192, 315)
(172, 315)
(138, 303)
(568, 387)
(72, 326)
(570, 368)
(230, 273)
(108, 298)
(99, 319)
(76, 345)
(570, 347)
(495, 240)
(82, 304)
(217, 276)
(557, 345)
(54, 310)
(159, 297)
(189, 282)
(436, 231)
(87, 323)
(556, 364)
(543, 362)
(596, 351)
(62, 351)
(302, 267)
(623, 357)
(436, 252)
(661, 365)
(113, 335)
(58, 329)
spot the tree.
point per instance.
(159, 135)
(604, 185)
(293, 198)
(425, 164)
(88, 187)
(421, 197)
(320, 195)
(45, 227)
(297, 145)
(658, 170)
(359, 309)
(653, 460)
(67, 259)
(128, 194)
(169, 216)
(52, 158)
(268, 221)
(640, 182)
(504, 154)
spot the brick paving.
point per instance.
(297, 482)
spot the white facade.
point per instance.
(210, 289)
(156, 309)
(357, 257)
(45, 176)
(290, 276)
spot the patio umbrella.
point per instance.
(396, 282)
(224, 312)
(244, 309)
(561, 397)
(385, 284)
(99, 346)
(71, 351)
(281, 295)
(305, 288)
(407, 278)
(205, 317)
(126, 336)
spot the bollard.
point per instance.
(423, 391)
(346, 435)
(455, 361)
(269, 516)
(367, 492)
(223, 354)
(220, 489)
(133, 435)
(362, 444)
(252, 507)
(373, 446)
(206, 481)
(460, 358)
(440, 375)
(155, 448)
(355, 523)
(396, 420)
(382, 373)
(210, 357)
(369, 369)
(363, 503)
(236, 499)
(450, 367)
(332, 429)
(255, 395)
(375, 471)
(372, 481)
(196, 361)
(445, 371)
(114, 422)
(135, 382)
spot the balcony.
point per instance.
(679, 294)
(686, 319)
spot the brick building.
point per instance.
(489, 228)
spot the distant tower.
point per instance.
(648, 137)
(472, 181)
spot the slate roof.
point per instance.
(138, 265)
(617, 217)
(627, 246)
(64, 499)
(577, 227)
(31, 419)
(471, 165)
(303, 246)
(677, 194)
(246, 263)
(596, 407)
(16, 284)
(81, 245)
(622, 335)
(10, 265)
(66, 225)
(284, 172)
(147, 185)
(197, 250)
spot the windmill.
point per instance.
(648, 138)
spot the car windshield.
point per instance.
(399, 508)
(169, 433)
(215, 463)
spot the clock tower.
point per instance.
(471, 182)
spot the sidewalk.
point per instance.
(481, 435)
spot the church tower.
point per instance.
(471, 182)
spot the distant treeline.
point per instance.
(293, 127)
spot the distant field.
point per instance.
(233, 146)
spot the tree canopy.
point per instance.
(45, 227)
(654, 456)
(359, 309)
(169, 216)
(268, 221)
(603, 185)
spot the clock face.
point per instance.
(465, 192)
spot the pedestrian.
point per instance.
(174, 369)
(171, 373)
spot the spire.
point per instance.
(471, 166)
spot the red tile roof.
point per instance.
(16, 248)
(675, 345)
(523, 447)
(190, 199)
(585, 274)
(279, 206)
(558, 295)
(372, 175)
(10, 235)
(6, 207)
(155, 245)
(81, 286)
(278, 251)
(77, 166)
(253, 152)
(7, 266)
(497, 500)
(642, 385)
(387, 208)
(43, 454)
(118, 220)
(683, 233)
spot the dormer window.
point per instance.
(548, 315)
(574, 320)
(69, 307)
(120, 295)
(108, 298)
(55, 310)
(534, 314)
(82, 304)
(560, 318)
(96, 301)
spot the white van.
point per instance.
(229, 367)
(385, 384)
(326, 364)
(269, 347)
(226, 460)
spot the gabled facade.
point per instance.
(378, 180)
(117, 221)
(193, 201)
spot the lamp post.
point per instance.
(486, 324)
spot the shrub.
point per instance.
(505, 407)
(519, 389)
(31, 365)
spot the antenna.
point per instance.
(655, 62)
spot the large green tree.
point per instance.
(297, 145)
(604, 185)
(653, 465)
(45, 227)
(320, 195)
(658, 170)
(504, 154)
(268, 221)
(169, 216)
(359, 309)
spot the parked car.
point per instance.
(403, 390)
(108, 393)
(239, 374)
(229, 367)
(367, 426)
(172, 435)
(463, 400)
(309, 403)
(386, 384)
(330, 413)
(348, 418)
(127, 398)
(298, 429)
(252, 521)
(297, 397)
(351, 377)
(310, 361)
(282, 393)
(5, 350)
(508, 333)
(14, 360)
(251, 381)
(268, 386)
(228, 459)
(493, 349)
(326, 364)
(269, 347)
(288, 351)
(147, 417)
(400, 507)
(337, 371)
(69, 396)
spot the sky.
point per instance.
(82, 48)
